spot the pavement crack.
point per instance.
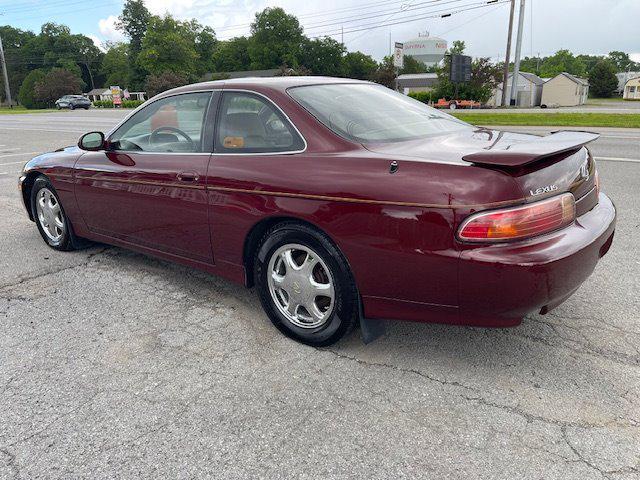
(86, 262)
(398, 369)
(11, 461)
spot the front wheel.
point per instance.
(53, 225)
(453, 106)
(305, 285)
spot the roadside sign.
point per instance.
(460, 68)
(398, 55)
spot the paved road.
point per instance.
(116, 365)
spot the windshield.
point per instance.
(372, 113)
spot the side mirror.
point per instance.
(92, 141)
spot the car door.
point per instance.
(148, 187)
(252, 135)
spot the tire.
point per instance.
(59, 236)
(71, 106)
(58, 107)
(453, 106)
(323, 298)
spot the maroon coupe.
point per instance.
(341, 201)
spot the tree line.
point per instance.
(162, 52)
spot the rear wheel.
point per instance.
(52, 223)
(305, 285)
(453, 106)
(71, 106)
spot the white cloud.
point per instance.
(108, 30)
(97, 42)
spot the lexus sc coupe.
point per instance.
(341, 201)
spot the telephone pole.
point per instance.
(516, 66)
(7, 88)
(505, 74)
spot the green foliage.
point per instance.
(623, 62)
(131, 103)
(232, 55)
(602, 80)
(172, 46)
(116, 65)
(424, 97)
(485, 76)
(358, 65)
(133, 22)
(26, 95)
(156, 84)
(563, 61)
(323, 56)
(624, 120)
(103, 104)
(276, 39)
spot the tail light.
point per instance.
(521, 222)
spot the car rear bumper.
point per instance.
(499, 284)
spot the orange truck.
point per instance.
(454, 104)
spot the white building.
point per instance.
(416, 82)
(632, 89)
(623, 78)
(565, 90)
(528, 91)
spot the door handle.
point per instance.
(188, 176)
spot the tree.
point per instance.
(169, 46)
(232, 55)
(26, 95)
(602, 80)
(14, 40)
(156, 84)
(55, 84)
(623, 62)
(276, 39)
(485, 77)
(386, 73)
(323, 56)
(562, 61)
(411, 65)
(116, 65)
(206, 44)
(133, 22)
(358, 65)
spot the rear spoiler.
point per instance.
(519, 154)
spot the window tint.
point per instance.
(249, 123)
(173, 124)
(370, 113)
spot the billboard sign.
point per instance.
(398, 55)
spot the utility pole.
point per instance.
(342, 35)
(516, 66)
(505, 74)
(7, 88)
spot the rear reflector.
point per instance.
(521, 222)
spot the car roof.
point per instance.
(272, 83)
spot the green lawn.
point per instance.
(17, 110)
(623, 120)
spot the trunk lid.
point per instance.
(541, 166)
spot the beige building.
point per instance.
(528, 88)
(565, 90)
(632, 89)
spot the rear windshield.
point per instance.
(367, 113)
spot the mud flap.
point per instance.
(371, 328)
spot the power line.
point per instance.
(409, 20)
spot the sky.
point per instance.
(582, 26)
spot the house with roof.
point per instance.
(632, 89)
(528, 91)
(416, 82)
(565, 90)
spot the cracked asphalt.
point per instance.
(117, 365)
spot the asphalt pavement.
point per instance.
(117, 365)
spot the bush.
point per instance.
(26, 95)
(156, 84)
(55, 84)
(103, 104)
(424, 97)
(131, 103)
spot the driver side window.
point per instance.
(173, 124)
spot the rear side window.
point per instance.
(249, 123)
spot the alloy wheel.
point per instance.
(50, 214)
(301, 286)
